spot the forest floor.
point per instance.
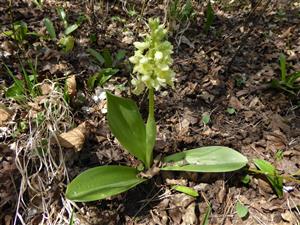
(222, 96)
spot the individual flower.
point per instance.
(152, 60)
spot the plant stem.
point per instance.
(150, 130)
(151, 103)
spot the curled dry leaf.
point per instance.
(74, 138)
(5, 114)
(46, 88)
(71, 85)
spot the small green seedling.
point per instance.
(101, 77)
(110, 62)
(288, 83)
(231, 110)
(205, 118)
(210, 16)
(26, 87)
(66, 42)
(152, 61)
(279, 155)
(272, 175)
(206, 215)
(180, 14)
(19, 32)
(181, 11)
(246, 179)
(241, 210)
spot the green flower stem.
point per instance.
(151, 103)
(150, 130)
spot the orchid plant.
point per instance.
(152, 61)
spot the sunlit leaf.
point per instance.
(102, 182)
(50, 28)
(271, 173)
(206, 159)
(186, 190)
(241, 210)
(71, 29)
(127, 125)
(205, 118)
(67, 43)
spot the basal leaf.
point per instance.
(206, 159)
(50, 28)
(102, 182)
(127, 125)
(271, 173)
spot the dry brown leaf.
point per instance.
(46, 89)
(5, 114)
(234, 102)
(71, 85)
(189, 217)
(74, 138)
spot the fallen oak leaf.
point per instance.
(71, 85)
(74, 138)
(5, 114)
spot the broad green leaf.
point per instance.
(271, 173)
(71, 29)
(126, 124)
(206, 159)
(186, 190)
(241, 210)
(102, 182)
(96, 55)
(50, 28)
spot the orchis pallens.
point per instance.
(152, 60)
